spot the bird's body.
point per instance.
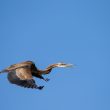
(22, 73)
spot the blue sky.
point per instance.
(49, 31)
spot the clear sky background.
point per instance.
(50, 31)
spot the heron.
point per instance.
(23, 73)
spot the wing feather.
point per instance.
(26, 64)
(27, 83)
(24, 73)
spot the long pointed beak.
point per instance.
(69, 65)
(64, 65)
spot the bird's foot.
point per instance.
(40, 87)
(46, 79)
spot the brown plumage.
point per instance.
(22, 73)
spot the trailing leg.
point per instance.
(41, 77)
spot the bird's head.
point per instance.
(63, 65)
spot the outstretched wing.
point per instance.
(22, 77)
(26, 64)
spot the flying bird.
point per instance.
(22, 74)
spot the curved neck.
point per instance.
(47, 70)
